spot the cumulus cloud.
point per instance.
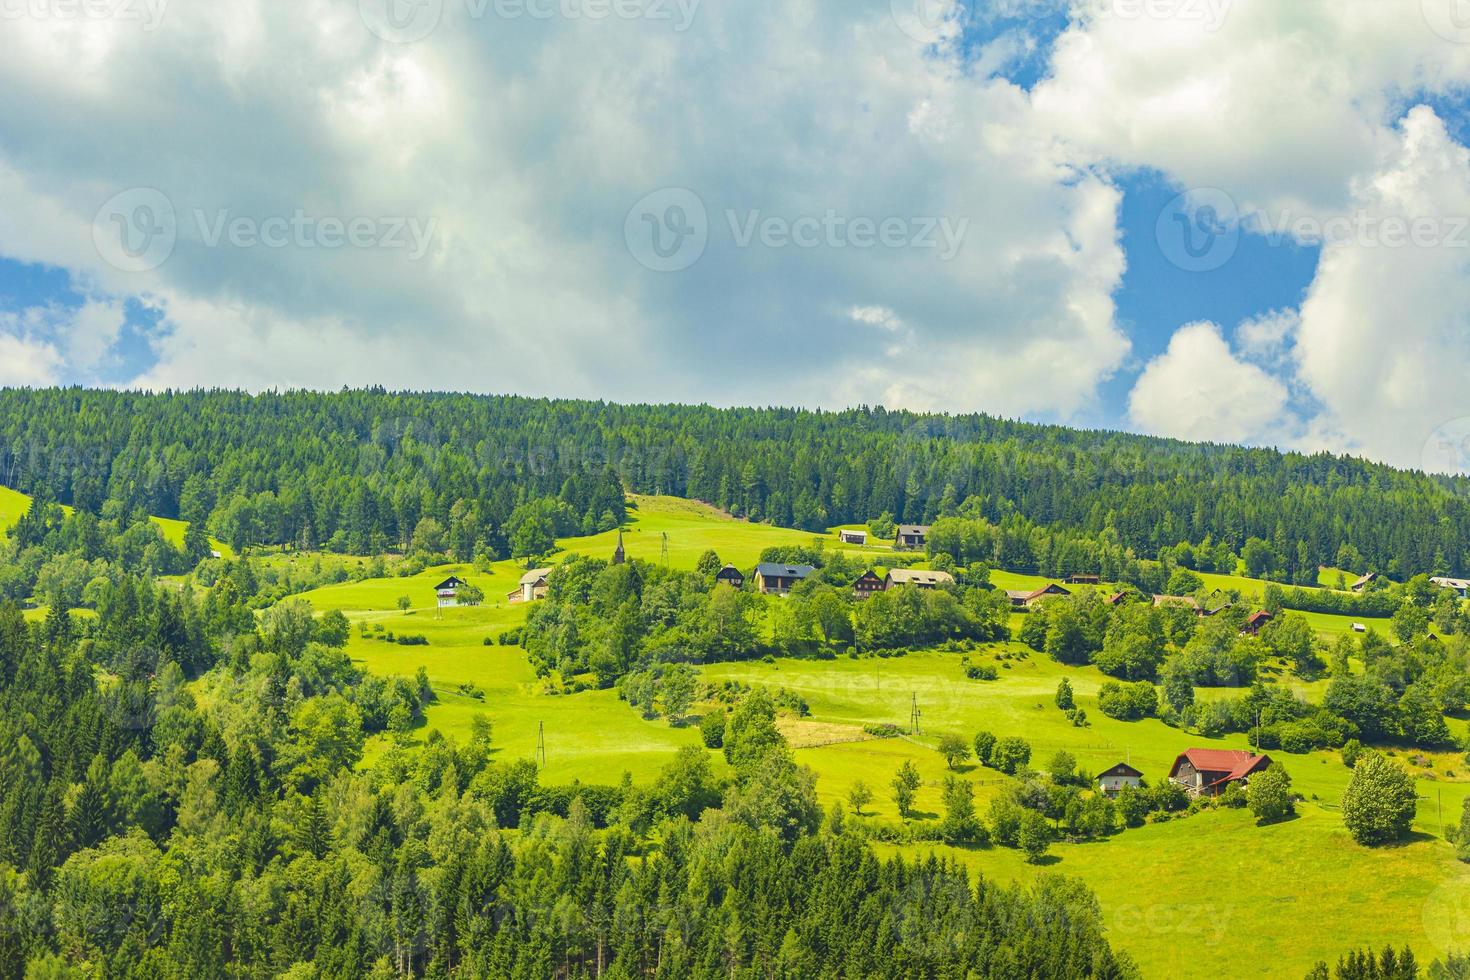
(26, 363)
(1384, 341)
(527, 141)
(1199, 390)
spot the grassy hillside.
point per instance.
(13, 505)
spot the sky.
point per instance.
(1222, 220)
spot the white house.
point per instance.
(1120, 777)
(533, 585)
(447, 592)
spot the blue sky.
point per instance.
(1180, 217)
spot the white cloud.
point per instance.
(1384, 341)
(26, 363)
(529, 140)
(1266, 339)
(1199, 390)
(1282, 106)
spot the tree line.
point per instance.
(359, 471)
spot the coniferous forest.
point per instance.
(355, 471)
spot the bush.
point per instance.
(886, 730)
(1380, 801)
(1128, 702)
(712, 730)
(1270, 795)
(984, 746)
(1010, 755)
(983, 672)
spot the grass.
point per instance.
(1245, 900)
(13, 506)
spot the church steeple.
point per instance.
(619, 556)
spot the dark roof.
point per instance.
(730, 571)
(904, 530)
(769, 569)
(1121, 769)
(452, 582)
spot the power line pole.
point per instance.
(666, 549)
(541, 744)
(915, 714)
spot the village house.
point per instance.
(774, 579)
(731, 576)
(912, 536)
(853, 537)
(533, 586)
(1020, 597)
(868, 584)
(1113, 781)
(1256, 623)
(1118, 598)
(1365, 581)
(1207, 772)
(1459, 585)
(447, 592)
(918, 578)
(1083, 580)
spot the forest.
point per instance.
(360, 471)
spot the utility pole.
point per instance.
(915, 714)
(666, 549)
(541, 744)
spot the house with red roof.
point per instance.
(1207, 772)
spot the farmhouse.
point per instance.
(1023, 598)
(867, 585)
(448, 592)
(1117, 599)
(1460, 585)
(731, 576)
(774, 579)
(1207, 772)
(1083, 580)
(1256, 623)
(1113, 781)
(533, 586)
(853, 537)
(912, 536)
(917, 578)
(1365, 581)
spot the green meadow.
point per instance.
(1191, 886)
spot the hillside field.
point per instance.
(1303, 889)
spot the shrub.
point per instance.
(1010, 755)
(712, 729)
(982, 672)
(984, 746)
(1380, 801)
(1128, 702)
(1270, 795)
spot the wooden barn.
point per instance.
(1207, 772)
(853, 537)
(918, 578)
(868, 584)
(775, 579)
(731, 576)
